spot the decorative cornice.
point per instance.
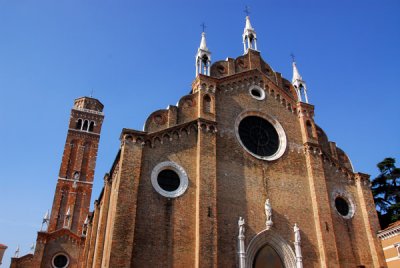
(84, 133)
(44, 237)
(149, 139)
(315, 149)
(389, 232)
(70, 180)
(88, 111)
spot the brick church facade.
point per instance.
(237, 174)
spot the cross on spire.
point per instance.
(293, 58)
(247, 10)
(91, 93)
(203, 25)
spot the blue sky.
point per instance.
(138, 56)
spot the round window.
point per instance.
(343, 204)
(264, 139)
(169, 179)
(257, 92)
(60, 261)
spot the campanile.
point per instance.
(75, 180)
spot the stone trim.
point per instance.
(183, 184)
(84, 182)
(278, 127)
(388, 233)
(273, 239)
(347, 197)
(87, 111)
(59, 254)
(259, 90)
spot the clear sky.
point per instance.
(138, 57)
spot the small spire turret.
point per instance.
(67, 218)
(16, 254)
(203, 56)
(46, 220)
(32, 249)
(249, 36)
(298, 83)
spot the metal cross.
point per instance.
(247, 10)
(203, 25)
(293, 58)
(91, 94)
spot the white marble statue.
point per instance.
(241, 226)
(268, 214)
(296, 231)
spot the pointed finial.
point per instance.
(32, 248)
(298, 83)
(46, 217)
(203, 26)
(46, 220)
(86, 221)
(16, 254)
(203, 43)
(247, 10)
(91, 93)
(293, 58)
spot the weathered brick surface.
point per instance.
(135, 226)
(199, 228)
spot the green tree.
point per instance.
(386, 192)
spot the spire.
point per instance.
(46, 220)
(67, 218)
(298, 83)
(249, 36)
(203, 44)
(32, 249)
(248, 24)
(16, 254)
(203, 56)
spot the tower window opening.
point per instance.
(91, 126)
(342, 206)
(309, 129)
(85, 125)
(256, 93)
(207, 104)
(78, 124)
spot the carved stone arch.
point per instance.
(139, 140)
(156, 141)
(273, 239)
(175, 135)
(148, 143)
(207, 104)
(166, 138)
(184, 132)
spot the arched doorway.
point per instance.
(267, 257)
(269, 249)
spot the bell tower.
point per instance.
(75, 180)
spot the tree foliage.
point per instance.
(386, 192)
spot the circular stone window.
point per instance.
(262, 136)
(257, 92)
(60, 261)
(169, 179)
(343, 205)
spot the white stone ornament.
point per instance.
(241, 247)
(297, 246)
(268, 215)
(183, 178)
